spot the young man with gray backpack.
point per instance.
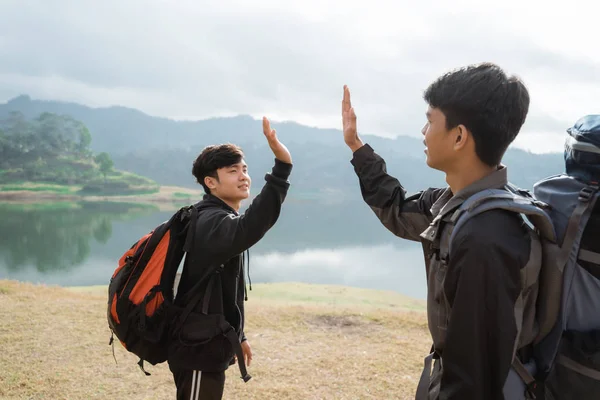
(479, 307)
(494, 262)
(564, 281)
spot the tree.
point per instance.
(105, 162)
(85, 138)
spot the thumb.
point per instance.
(272, 136)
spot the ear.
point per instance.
(210, 182)
(462, 137)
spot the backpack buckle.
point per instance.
(586, 193)
(530, 390)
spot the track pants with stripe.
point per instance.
(198, 385)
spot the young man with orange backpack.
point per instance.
(200, 332)
(221, 237)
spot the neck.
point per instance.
(466, 176)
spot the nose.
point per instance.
(424, 129)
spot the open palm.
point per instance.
(349, 122)
(279, 150)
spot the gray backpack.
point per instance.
(570, 354)
(560, 297)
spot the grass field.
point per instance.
(309, 342)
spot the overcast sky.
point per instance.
(289, 60)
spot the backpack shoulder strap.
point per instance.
(586, 201)
(544, 250)
(505, 199)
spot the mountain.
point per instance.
(164, 149)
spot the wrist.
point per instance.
(281, 169)
(355, 145)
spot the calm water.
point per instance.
(314, 241)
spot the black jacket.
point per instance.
(222, 236)
(482, 281)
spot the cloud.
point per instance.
(190, 59)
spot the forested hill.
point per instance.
(55, 149)
(164, 149)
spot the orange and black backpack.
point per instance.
(140, 293)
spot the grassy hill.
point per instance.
(54, 150)
(309, 342)
(48, 157)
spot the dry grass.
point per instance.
(309, 342)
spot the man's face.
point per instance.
(233, 183)
(439, 142)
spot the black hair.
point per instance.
(213, 158)
(490, 104)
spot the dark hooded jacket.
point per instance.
(222, 236)
(471, 301)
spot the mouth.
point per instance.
(244, 187)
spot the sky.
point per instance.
(289, 60)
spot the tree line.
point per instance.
(50, 148)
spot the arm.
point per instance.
(482, 285)
(224, 235)
(404, 217)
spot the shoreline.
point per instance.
(165, 194)
(291, 291)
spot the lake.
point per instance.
(315, 241)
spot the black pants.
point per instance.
(198, 385)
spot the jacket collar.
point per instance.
(213, 200)
(448, 201)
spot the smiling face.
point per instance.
(232, 183)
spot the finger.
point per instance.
(346, 102)
(266, 126)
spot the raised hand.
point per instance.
(349, 122)
(279, 150)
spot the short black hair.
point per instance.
(490, 104)
(213, 158)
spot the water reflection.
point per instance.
(58, 236)
(314, 241)
(388, 267)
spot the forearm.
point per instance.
(230, 235)
(405, 217)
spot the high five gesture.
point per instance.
(279, 150)
(349, 122)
